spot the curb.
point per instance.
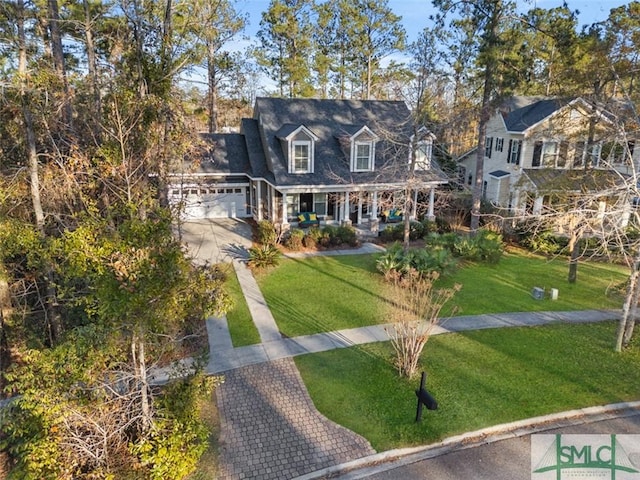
(380, 462)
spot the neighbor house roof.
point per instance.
(591, 180)
(523, 118)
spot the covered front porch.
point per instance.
(360, 208)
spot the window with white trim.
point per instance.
(363, 153)
(320, 203)
(423, 155)
(301, 158)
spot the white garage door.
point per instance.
(215, 202)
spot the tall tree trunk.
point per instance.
(574, 250)
(5, 311)
(213, 89)
(58, 60)
(92, 66)
(140, 368)
(52, 316)
(630, 307)
(485, 113)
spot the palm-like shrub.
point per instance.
(263, 256)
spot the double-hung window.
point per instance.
(423, 156)
(363, 156)
(301, 156)
(515, 150)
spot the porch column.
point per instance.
(414, 210)
(251, 199)
(374, 206)
(359, 208)
(430, 214)
(285, 220)
(272, 205)
(345, 207)
(259, 201)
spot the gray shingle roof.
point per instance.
(522, 118)
(330, 120)
(257, 161)
(224, 154)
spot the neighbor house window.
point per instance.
(499, 144)
(578, 154)
(301, 157)
(549, 153)
(515, 150)
(612, 152)
(488, 146)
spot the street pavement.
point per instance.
(269, 426)
(508, 459)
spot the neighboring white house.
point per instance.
(537, 145)
(344, 160)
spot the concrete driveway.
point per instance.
(217, 240)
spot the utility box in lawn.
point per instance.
(537, 293)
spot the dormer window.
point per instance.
(363, 156)
(298, 144)
(423, 149)
(301, 157)
(363, 150)
(423, 155)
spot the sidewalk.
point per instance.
(270, 428)
(224, 357)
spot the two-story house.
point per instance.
(344, 160)
(537, 145)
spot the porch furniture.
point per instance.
(308, 219)
(392, 216)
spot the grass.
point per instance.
(321, 294)
(506, 286)
(479, 379)
(241, 326)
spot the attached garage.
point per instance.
(212, 202)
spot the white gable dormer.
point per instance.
(298, 145)
(423, 145)
(363, 150)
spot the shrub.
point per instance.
(489, 245)
(395, 263)
(310, 241)
(545, 242)
(263, 256)
(266, 233)
(294, 240)
(416, 230)
(347, 234)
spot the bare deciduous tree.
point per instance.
(417, 312)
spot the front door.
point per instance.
(306, 202)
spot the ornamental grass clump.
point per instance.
(415, 314)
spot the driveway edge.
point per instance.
(380, 462)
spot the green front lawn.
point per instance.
(506, 286)
(479, 378)
(321, 294)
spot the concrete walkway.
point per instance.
(227, 358)
(269, 426)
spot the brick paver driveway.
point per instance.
(271, 430)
